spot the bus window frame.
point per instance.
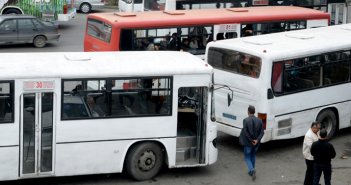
(241, 65)
(12, 99)
(268, 27)
(105, 25)
(134, 38)
(85, 93)
(326, 82)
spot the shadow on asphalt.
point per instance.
(231, 141)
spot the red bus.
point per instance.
(191, 30)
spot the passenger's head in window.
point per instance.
(220, 36)
(95, 110)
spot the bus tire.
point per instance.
(12, 11)
(328, 121)
(39, 41)
(85, 8)
(144, 161)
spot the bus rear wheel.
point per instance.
(144, 161)
(327, 119)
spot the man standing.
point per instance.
(323, 152)
(310, 137)
(250, 137)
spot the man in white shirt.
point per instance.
(310, 137)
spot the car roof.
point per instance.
(3, 17)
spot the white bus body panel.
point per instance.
(317, 23)
(99, 157)
(68, 16)
(130, 7)
(9, 162)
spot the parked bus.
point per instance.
(64, 114)
(47, 10)
(292, 79)
(151, 5)
(338, 9)
(191, 30)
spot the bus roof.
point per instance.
(209, 16)
(285, 45)
(99, 64)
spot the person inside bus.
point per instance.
(154, 5)
(174, 43)
(77, 90)
(95, 110)
(193, 44)
(247, 30)
(185, 45)
(150, 45)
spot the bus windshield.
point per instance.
(234, 62)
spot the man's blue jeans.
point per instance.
(250, 157)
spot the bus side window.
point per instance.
(127, 36)
(230, 35)
(6, 103)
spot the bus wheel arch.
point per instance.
(145, 159)
(330, 120)
(39, 41)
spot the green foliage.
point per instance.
(42, 9)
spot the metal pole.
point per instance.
(132, 5)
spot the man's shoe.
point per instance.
(254, 175)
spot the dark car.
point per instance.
(26, 29)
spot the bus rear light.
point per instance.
(263, 117)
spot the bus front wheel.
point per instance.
(144, 161)
(327, 119)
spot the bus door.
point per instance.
(226, 31)
(338, 13)
(191, 128)
(36, 130)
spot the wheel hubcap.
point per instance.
(85, 8)
(147, 161)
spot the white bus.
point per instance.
(169, 5)
(292, 78)
(338, 9)
(64, 114)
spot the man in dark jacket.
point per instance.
(322, 152)
(250, 137)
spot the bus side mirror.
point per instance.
(229, 99)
